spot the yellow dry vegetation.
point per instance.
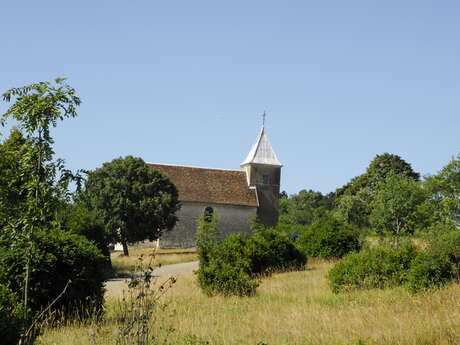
(292, 308)
(126, 265)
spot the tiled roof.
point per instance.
(210, 185)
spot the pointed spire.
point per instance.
(262, 152)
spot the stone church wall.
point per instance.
(232, 219)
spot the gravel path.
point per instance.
(114, 287)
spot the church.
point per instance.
(235, 196)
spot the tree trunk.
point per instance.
(125, 248)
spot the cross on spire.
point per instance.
(264, 115)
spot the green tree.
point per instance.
(387, 164)
(37, 108)
(302, 208)
(49, 267)
(13, 197)
(355, 209)
(444, 189)
(396, 205)
(379, 168)
(135, 201)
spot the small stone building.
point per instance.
(235, 196)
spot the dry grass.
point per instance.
(125, 265)
(296, 308)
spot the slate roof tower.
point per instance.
(263, 171)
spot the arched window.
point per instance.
(208, 213)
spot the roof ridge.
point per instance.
(194, 167)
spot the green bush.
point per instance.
(428, 271)
(438, 265)
(10, 316)
(77, 219)
(448, 245)
(372, 268)
(231, 266)
(227, 268)
(58, 257)
(271, 250)
(328, 237)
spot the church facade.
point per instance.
(235, 196)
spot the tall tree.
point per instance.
(37, 108)
(302, 208)
(396, 205)
(379, 168)
(135, 201)
(444, 188)
(355, 209)
(385, 164)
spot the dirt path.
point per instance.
(114, 287)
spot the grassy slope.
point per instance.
(296, 308)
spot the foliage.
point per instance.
(77, 219)
(135, 201)
(444, 189)
(59, 258)
(206, 236)
(302, 208)
(439, 265)
(378, 170)
(396, 206)
(230, 266)
(271, 250)
(13, 196)
(36, 185)
(329, 237)
(354, 201)
(355, 208)
(372, 268)
(388, 164)
(226, 269)
(10, 316)
(37, 108)
(429, 270)
(448, 245)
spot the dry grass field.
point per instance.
(290, 308)
(125, 265)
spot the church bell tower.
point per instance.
(263, 171)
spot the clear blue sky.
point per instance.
(185, 82)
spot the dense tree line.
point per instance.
(389, 198)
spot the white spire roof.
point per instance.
(262, 152)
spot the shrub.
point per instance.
(372, 268)
(428, 271)
(58, 258)
(79, 220)
(438, 265)
(328, 237)
(448, 245)
(10, 316)
(270, 250)
(227, 269)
